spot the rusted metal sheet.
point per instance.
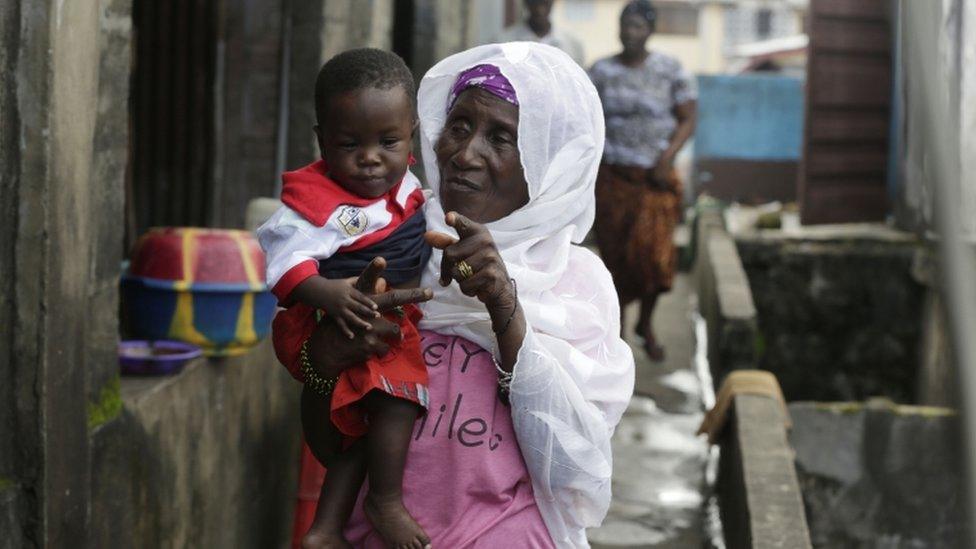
(843, 170)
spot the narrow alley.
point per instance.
(659, 463)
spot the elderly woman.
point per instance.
(528, 374)
(649, 104)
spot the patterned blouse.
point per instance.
(638, 104)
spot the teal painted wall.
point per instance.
(749, 117)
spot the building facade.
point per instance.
(702, 34)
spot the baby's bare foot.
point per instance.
(324, 540)
(394, 524)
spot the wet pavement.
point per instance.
(659, 463)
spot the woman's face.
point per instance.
(478, 157)
(634, 32)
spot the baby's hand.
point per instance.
(349, 307)
(341, 300)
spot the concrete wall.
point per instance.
(936, 81)
(63, 143)
(248, 96)
(875, 471)
(320, 30)
(759, 494)
(724, 297)
(839, 310)
(441, 28)
(206, 458)
(934, 141)
(17, 502)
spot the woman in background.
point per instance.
(649, 105)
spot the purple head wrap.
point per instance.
(486, 77)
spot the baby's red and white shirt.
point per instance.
(320, 218)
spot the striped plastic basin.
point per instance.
(201, 286)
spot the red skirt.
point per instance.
(400, 373)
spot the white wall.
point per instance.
(936, 90)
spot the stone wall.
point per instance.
(879, 474)
(839, 311)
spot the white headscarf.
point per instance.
(560, 139)
(574, 375)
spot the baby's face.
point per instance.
(366, 139)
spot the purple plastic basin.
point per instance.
(155, 358)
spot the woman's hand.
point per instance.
(661, 174)
(474, 262)
(331, 352)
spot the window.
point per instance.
(677, 18)
(764, 23)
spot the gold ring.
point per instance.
(464, 270)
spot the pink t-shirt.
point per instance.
(465, 481)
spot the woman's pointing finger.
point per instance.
(464, 226)
(439, 240)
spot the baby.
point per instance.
(357, 203)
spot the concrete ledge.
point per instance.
(725, 299)
(760, 499)
(206, 458)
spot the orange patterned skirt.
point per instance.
(635, 221)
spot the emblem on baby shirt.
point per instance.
(352, 220)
